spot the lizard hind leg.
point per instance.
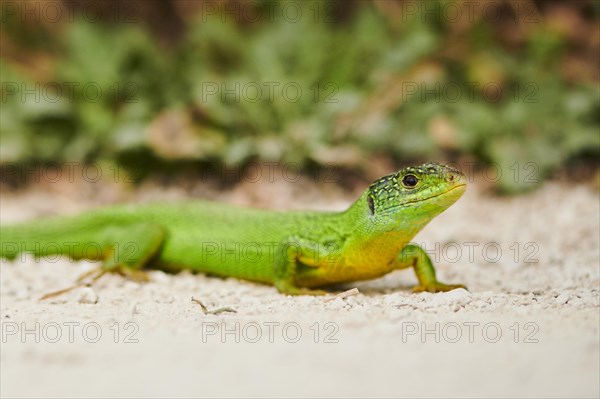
(125, 250)
(128, 249)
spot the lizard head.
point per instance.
(414, 194)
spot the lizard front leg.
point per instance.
(289, 255)
(414, 256)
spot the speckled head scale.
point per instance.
(412, 185)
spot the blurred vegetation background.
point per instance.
(174, 83)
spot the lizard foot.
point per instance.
(89, 278)
(93, 275)
(293, 290)
(437, 287)
(137, 275)
(306, 291)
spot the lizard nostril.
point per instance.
(451, 177)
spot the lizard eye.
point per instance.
(410, 181)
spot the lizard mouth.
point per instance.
(463, 185)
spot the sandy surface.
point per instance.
(529, 327)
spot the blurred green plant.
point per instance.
(316, 90)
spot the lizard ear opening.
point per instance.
(371, 205)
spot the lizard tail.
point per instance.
(44, 237)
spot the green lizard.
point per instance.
(296, 252)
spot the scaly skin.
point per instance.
(294, 251)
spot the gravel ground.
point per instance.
(528, 327)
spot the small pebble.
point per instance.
(480, 304)
(164, 299)
(459, 296)
(135, 309)
(87, 295)
(394, 299)
(159, 276)
(562, 298)
(337, 303)
(575, 301)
